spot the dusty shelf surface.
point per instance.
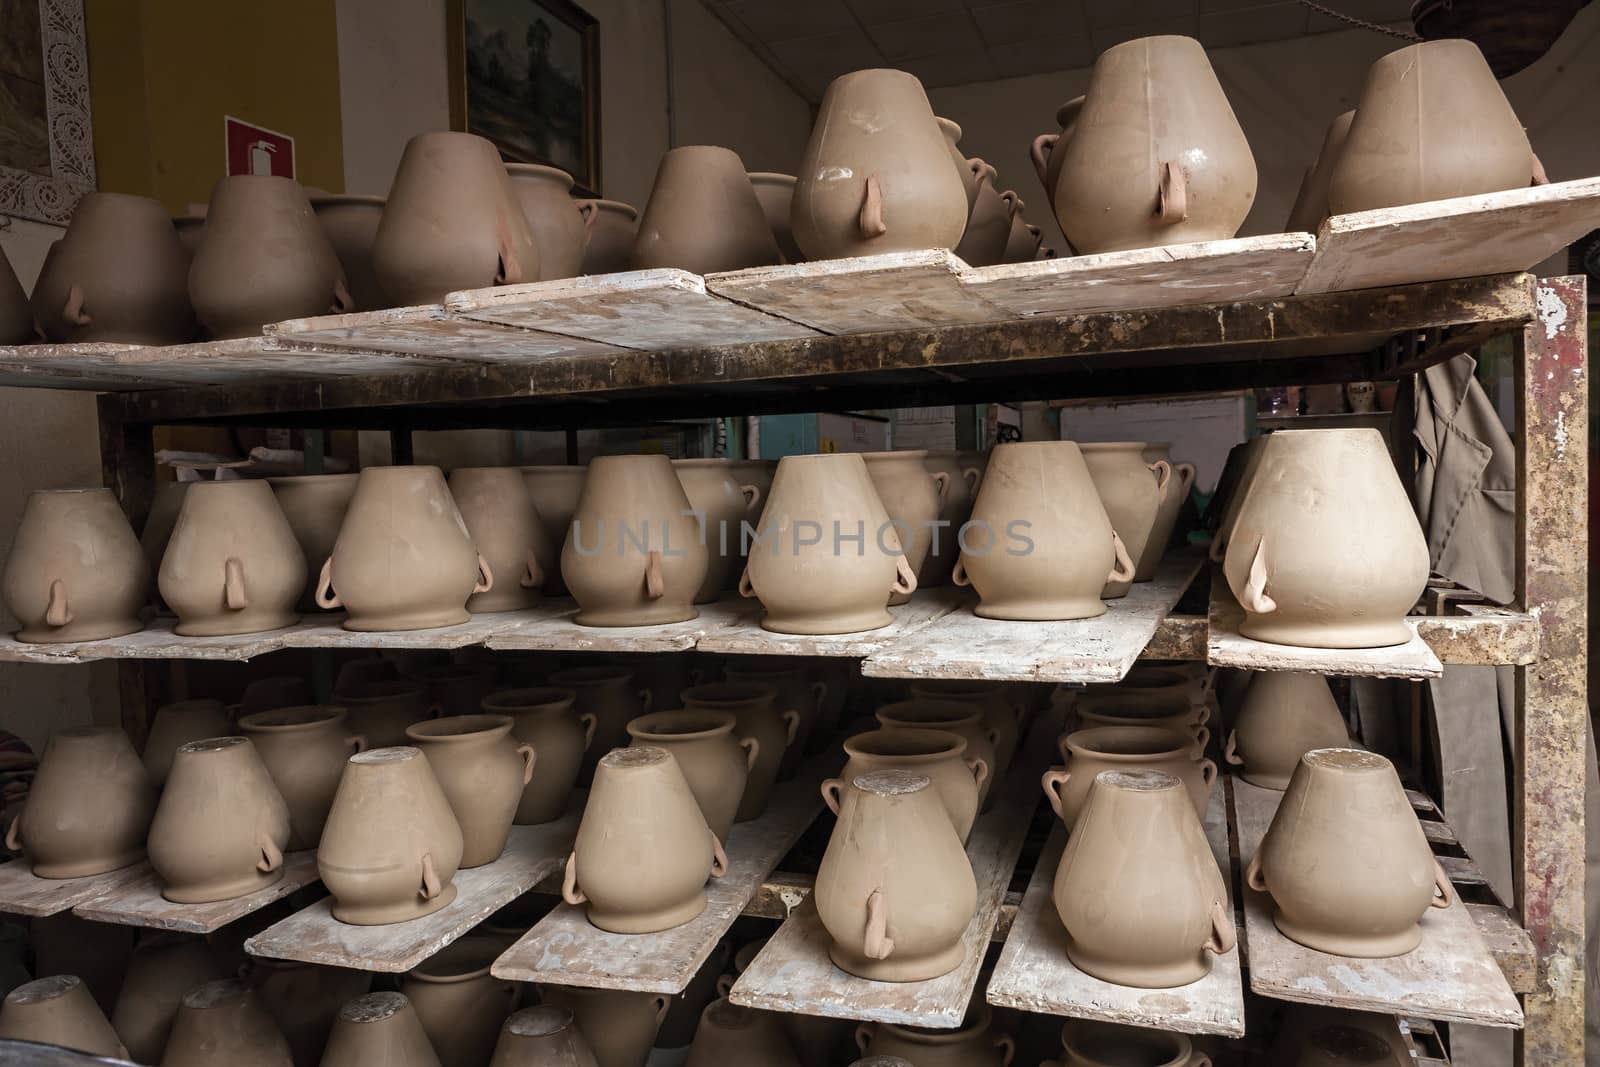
(24, 893)
(138, 902)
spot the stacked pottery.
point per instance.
(304, 999)
(555, 491)
(721, 505)
(1000, 715)
(611, 697)
(544, 720)
(1023, 239)
(1133, 491)
(911, 495)
(58, 1010)
(1124, 748)
(968, 170)
(610, 228)
(1284, 715)
(233, 565)
(378, 1028)
(729, 1034)
(499, 514)
(380, 711)
(1049, 149)
(703, 215)
(955, 507)
(158, 976)
(983, 243)
(460, 1004)
(756, 717)
(938, 755)
(620, 1026)
(482, 772)
(963, 719)
(714, 760)
(16, 317)
(558, 230)
(224, 1022)
(973, 1044)
(1172, 501)
(315, 505)
(776, 193)
(89, 806)
(350, 223)
(75, 572)
(1310, 208)
(1149, 696)
(304, 749)
(1095, 1044)
(545, 1035)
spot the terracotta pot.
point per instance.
(776, 194)
(58, 1011)
(1043, 546)
(962, 718)
(974, 1044)
(912, 496)
(1249, 462)
(955, 508)
(1284, 715)
(233, 565)
(164, 508)
(721, 505)
(1310, 209)
(544, 720)
(643, 848)
(611, 697)
(177, 724)
(1172, 501)
(703, 215)
(224, 1022)
(1001, 713)
(983, 243)
(1132, 490)
(305, 749)
(391, 844)
(304, 1000)
(1049, 149)
(263, 259)
(350, 223)
(1124, 748)
(403, 559)
(457, 688)
(552, 216)
(16, 316)
(1326, 550)
(451, 184)
(460, 1004)
(715, 760)
(1147, 691)
(499, 513)
(118, 274)
(895, 889)
(75, 572)
(1096, 1044)
(158, 976)
(1431, 123)
(381, 711)
(315, 505)
(754, 707)
(555, 491)
(969, 174)
(620, 1026)
(796, 692)
(729, 1034)
(483, 772)
(378, 1028)
(546, 1035)
(1337, 1045)
(610, 229)
(825, 559)
(940, 755)
(876, 175)
(1345, 859)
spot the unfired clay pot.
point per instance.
(1132, 490)
(1190, 723)
(1087, 1043)
(75, 572)
(703, 215)
(498, 510)
(715, 760)
(159, 974)
(555, 491)
(722, 505)
(895, 888)
(611, 695)
(58, 1010)
(304, 1000)
(955, 508)
(378, 1028)
(544, 719)
(380, 711)
(776, 193)
(957, 717)
(546, 1035)
(619, 1025)
(1002, 711)
(456, 688)
(157, 531)
(912, 496)
(1124, 748)
(968, 173)
(729, 1034)
(305, 749)
(552, 217)
(451, 222)
(876, 174)
(797, 691)
(1345, 859)
(482, 771)
(391, 844)
(1284, 715)
(119, 273)
(610, 229)
(460, 1004)
(1311, 206)
(89, 806)
(315, 505)
(1172, 501)
(756, 472)
(350, 224)
(756, 718)
(973, 1044)
(983, 243)
(939, 755)
(16, 316)
(1148, 692)
(643, 848)
(224, 1022)
(1049, 149)
(233, 565)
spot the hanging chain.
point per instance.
(1404, 35)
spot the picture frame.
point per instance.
(526, 75)
(46, 137)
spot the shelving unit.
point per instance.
(138, 901)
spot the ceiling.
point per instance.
(954, 42)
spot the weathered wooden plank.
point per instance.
(234, 361)
(24, 893)
(313, 935)
(1481, 635)
(1508, 943)
(551, 628)
(139, 902)
(432, 331)
(1178, 637)
(156, 641)
(743, 635)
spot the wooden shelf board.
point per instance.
(1481, 635)
(139, 902)
(24, 893)
(550, 628)
(313, 935)
(432, 331)
(744, 636)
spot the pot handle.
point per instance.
(973, 475)
(958, 574)
(1230, 751)
(979, 768)
(1185, 472)
(534, 576)
(662, 1004)
(432, 885)
(647, 700)
(485, 576)
(56, 612)
(1203, 708)
(1202, 735)
(587, 210)
(1441, 882)
(1219, 547)
(508, 268)
(942, 480)
(529, 758)
(1540, 176)
(725, 984)
(1053, 780)
(1163, 472)
(1253, 597)
(1124, 569)
(752, 496)
(325, 596)
(819, 690)
(879, 945)
(745, 588)
(72, 311)
(234, 597)
(752, 751)
(833, 793)
(14, 835)
(1208, 772)
(1223, 935)
(1013, 203)
(271, 855)
(871, 220)
(655, 584)
(569, 883)
(905, 580)
(863, 1036)
(357, 741)
(591, 722)
(1253, 877)
(1172, 198)
(343, 302)
(1008, 1045)
(1040, 151)
(792, 718)
(719, 858)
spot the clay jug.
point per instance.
(729, 1034)
(955, 507)
(1001, 706)
(1049, 149)
(1124, 748)
(544, 194)
(177, 724)
(378, 1028)
(456, 688)
(350, 223)
(715, 760)
(403, 559)
(305, 749)
(460, 1004)
(304, 1000)
(118, 274)
(895, 889)
(1095, 1044)
(381, 711)
(75, 572)
(157, 531)
(159, 974)
(451, 222)
(1311, 206)
(233, 565)
(756, 718)
(263, 258)
(973, 1044)
(983, 243)
(1431, 123)
(58, 1010)
(544, 720)
(1326, 550)
(825, 559)
(545, 1036)
(1345, 859)
(1155, 155)
(912, 496)
(555, 491)
(876, 175)
(954, 717)
(612, 697)
(776, 193)
(969, 173)
(498, 510)
(703, 215)
(16, 316)
(620, 1026)
(391, 844)
(796, 691)
(1040, 546)
(89, 807)
(939, 755)
(1172, 501)
(643, 848)
(721, 505)
(315, 505)
(224, 1022)
(610, 228)
(1284, 715)
(482, 772)
(1132, 490)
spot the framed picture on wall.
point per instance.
(526, 75)
(46, 141)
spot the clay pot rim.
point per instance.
(574, 677)
(39, 990)
(302, 717)
(389, 470)
(470, 947)
(726, 1015)
(320, 479)
(554, 468)
(982, 1017)
(894, 453)
(373, 1007)
(220, 743)
(772, 177)
(1346, 761)
(710, 462)
(522, 699)
(890, 782)
(722, 722)
(541, 1020)
(1076, 742)
(458, 729)
(214, 993)
(619, 206)
(1111, 446)
(105, 196)
(1133, 717)
(540, 170)
(1184, 1048)
(952, 744)
(86, 733)
(384, 689)
(68, 492)
(971, 714)
(754, 691)
(386, 754)
(232, 484)
(347, 200)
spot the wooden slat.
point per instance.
(313, 935)
(1481, 635)
(24, 893)
(139, 902)
(1181, 637)
(1508, 943)
(236, 361)
(553, 630)
(744, 636)
(432, 331)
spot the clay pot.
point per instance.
(391, 844)
(1096, 1044)
(1124, 748)
(714, 759)
(721, 505)
(224, 1022)
(451, 222)
(350, 223)
(1190, 724)
(58, 1011)
(912, 496)
(619, 1026)
(304, 1000)
(1345, 859)
(544, 720)
(1172, 501)
(643, 848)
(703, 215)
(381, 711)
(776, 193)
(378, 1028)
(940, 755)
(16, 316)
(1049, 149)
(546, 1036)
(75, 572)
(756, 719)
(1311, 206)
(611, 227)
(498, 510)
(119, 274)
(1132, 490)
(730, 1034)
(804, 564)
(233, 565)
(955, 507)
(1431, 123)
(315, 505)
(876, 175)
(957, 717)
(263, 259)
(158, 976)
(1337, 1045)
(974, 1044)
(460, 1004)
(552, 216)
(970, 175)
(403, 559)
(555, 491)
(610, 695)
(983, 243)
(457, 688)
(305, 749)
(1326, 550)
(796, 692)
(164, 508)
(1148, 692)
(177, 724)
(1284, 715)
(1044, 546)
(1022, 239)
(1000, 714)
(895, 889)
(483, 772)
(756, 472)
(191, 231)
